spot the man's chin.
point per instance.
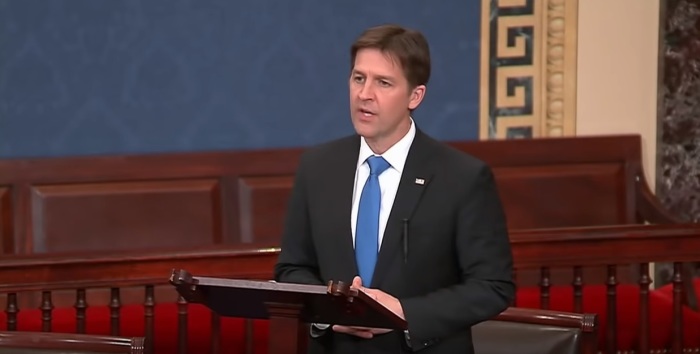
(364, 131)
(362, 128)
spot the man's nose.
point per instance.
(366, 92)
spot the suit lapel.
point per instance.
(414, 180)
(341, 184)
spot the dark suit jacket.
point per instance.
(458, 267)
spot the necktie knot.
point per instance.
(377, 165)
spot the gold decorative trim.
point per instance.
(528, 68)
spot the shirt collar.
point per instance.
(396, 155)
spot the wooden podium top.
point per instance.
(335, 303)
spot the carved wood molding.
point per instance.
(528, 68)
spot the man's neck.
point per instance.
(384, 143)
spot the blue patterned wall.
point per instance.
(81, 77)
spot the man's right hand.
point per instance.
(362, 332)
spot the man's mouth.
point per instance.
(366, 112)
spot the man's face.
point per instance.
(380, 97)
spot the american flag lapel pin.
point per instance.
(420, 181)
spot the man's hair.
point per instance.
(408, 47)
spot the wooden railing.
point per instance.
(614, 248)
(52, 343)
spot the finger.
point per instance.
(362, 333)
(380, 330)
(353, 332)
(357, 282)
(353, 328)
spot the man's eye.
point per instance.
(384, 83)
(358, 78)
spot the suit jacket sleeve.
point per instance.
(297, 262)
(485, 259)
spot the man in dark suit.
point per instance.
(415, 223)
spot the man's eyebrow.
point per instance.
(381, 77)
(384, 77)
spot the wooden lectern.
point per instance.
(289, 307)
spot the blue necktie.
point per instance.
(367, 230)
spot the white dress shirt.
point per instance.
(388, 180)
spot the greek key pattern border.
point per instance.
(528, 68)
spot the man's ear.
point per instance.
(416, 98)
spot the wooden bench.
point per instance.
(239, 197)
(584, 189)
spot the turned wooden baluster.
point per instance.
(578, 289)
(544, 288)
(12, 311)
(514, 302)
(611, 339)
(644, 322)
(46, 309)
(249, 335)
(148, 306)
(80, 308)
(115, 305)
(215, 332)
(181, 325)
(677, 326)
